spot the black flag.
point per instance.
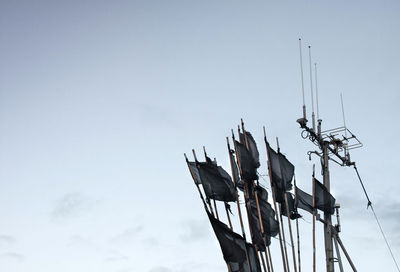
(270, 225)
(252, 147)
(282, 170)
(248, 166)
(323, 199)
(304, 201)
(233, 245)
(217, 183)
(292, 207)
(244, 267)
(239, 182)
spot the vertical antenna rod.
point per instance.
(312, 93)
(302, 81)
(344, 119)
(316, 90)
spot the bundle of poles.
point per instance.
(263, 255)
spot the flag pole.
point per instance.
(235, 182)
(281, 219)
(257, 202)
(297, 227)
(290, 231)
(207, 199)
(273, 196)
(197, 185)
(214, 202)
(314, 210)
(246, 195)
(201, 195)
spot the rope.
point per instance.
(377, 220)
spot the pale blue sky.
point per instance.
(100, 99)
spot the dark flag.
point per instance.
(323, 199)
(304, 201)
(194, 171)
(254, 262)
(252, 147)
(233, 245)
(239, 182)
(244, 267)
(248, 166)
(282, 170)
(291, 205)
(270, 225)
(217, 183)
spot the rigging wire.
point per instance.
(377, 220)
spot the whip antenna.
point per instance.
(316, 91)
(312, 93)
(302, 81)
(344, 119)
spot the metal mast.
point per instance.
(333, 145)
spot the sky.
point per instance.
(100, 99)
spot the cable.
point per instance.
(377, 221)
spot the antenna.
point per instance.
(302, 81)
(316, 90)
(344, 119)
(312, 93)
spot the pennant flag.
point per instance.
(244, 267)
(217, 183)
(239, 182)
(254, 262)
(233, 245)
(252, 147)
(292, 208)
(282, 170)
(323, 199)
(270, 225)
(303, 201)
(248, 166)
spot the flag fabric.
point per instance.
(254, 261)
(233, 245)
(270, 225)
(252, 147)
(293, 214)
(248, 166)
(244, 267)
(239, 182)
(217, 183)
(324, 201)
(195, 172)
(282, 170)
(303, 200)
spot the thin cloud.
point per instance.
(70, 205)
(116, 256)
(160, 269)
(195, 230)
(127, 236)
(7, 240)
(12, 256)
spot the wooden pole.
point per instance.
(197, 185)
(214, 202)
(273, 196)
(269, 255)
(280, 216)
(314, 211)
(257, 202)
(297, 228)
(290, 231)
(284, 239)
(235, 182)
(207, 200)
